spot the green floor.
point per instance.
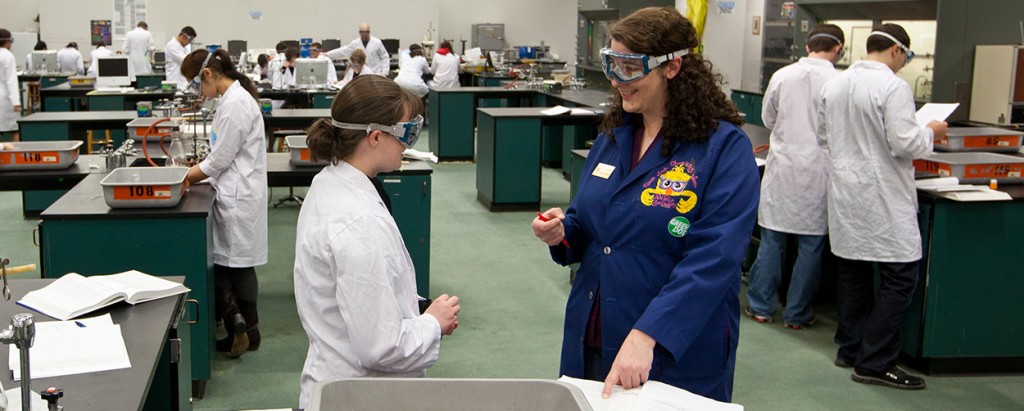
(512, 298)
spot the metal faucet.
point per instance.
(22, 333)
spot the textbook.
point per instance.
(73, 294)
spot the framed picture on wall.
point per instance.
(756, 28)
(100, 32)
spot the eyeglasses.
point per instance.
(196, 86)
(630, 67)
(364, 31)
(314, 50)
(407, 132)
(906, 50)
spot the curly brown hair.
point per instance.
(695, 99)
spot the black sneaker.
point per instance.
(894, 377)
(841, 363)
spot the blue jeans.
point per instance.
(766, 274)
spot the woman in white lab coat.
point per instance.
(237, 168)
(355, 285)
(284, 77)
(356, 67)
(410, 74)
(10, 98)
(69, 60)
(445, 67)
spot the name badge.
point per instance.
(603, 170)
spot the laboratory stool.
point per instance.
(32, 100)
(278, 136)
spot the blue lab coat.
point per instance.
(664, 243)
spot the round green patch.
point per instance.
(678, 226)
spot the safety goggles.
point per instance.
(406, 132)
(910, 53)
(196, 85)
(842, 51)
(629, 67)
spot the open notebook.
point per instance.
(73, 294)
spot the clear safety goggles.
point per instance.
(842, 51)
(629, 67)
(196, 85)
(910, 53)
(407, 132)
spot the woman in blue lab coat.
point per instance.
(661, 221)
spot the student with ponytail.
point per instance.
(237, 169)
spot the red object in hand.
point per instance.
(545, 219)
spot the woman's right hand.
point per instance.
(551, 232)
(445, 309)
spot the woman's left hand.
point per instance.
(632, 365)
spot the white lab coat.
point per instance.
(237, 166)
(446, 71)
(866, 120)
(410, 75)
(332, 73)
(355, 286)
(9, 94)
(95, 55)
(69, 61)
(349, 75)
(283, 77)
(795, 183)
(174, 55)
(137, 45)
(377, 58)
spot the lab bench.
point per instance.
(452, 117)
(151, 332)
(409, 189)
(307, 98)
(80, 233)
(40, 188)
(101, 100)
(509, 154)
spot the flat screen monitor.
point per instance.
(391, 45)
(291, 43)
(330, 44)
(311, 73)
(237, 47)
(159, 57)
(113, 72)
(44, 61)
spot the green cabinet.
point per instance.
(451, 124)
(511, 179)
(410, 202)
(321, 100)
(749, 104)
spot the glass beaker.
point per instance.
(176, 156)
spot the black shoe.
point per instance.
(841, 363)
(894, 378)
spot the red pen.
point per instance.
(545, 219)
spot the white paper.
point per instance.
(760, 161)
(620, 400)
(581, 111)
(935, 111)
(420, 155)
(652, 396)
(556, 110)
(66, 348)
(930, 183)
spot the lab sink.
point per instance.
(141, 162)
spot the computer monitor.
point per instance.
(44, 61)
(159, 57)
(291, 43)
(311, 73)
(391, 45)
(113, 72)
(330, 44)
(237, 47)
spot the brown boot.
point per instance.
(252, 317)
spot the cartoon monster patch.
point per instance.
(670, 191)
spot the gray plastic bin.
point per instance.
(39, 155)
(358, 394)
(974, 168)
(980, 139)
(137, 127)
(300, 152)
(144, 187)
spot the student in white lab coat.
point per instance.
(866, 120)
(356, 67)
(175, 52)
(237, 168)
(355, 285)
(445, 67)
(40, 46)
(284, 76)
(100, 52)
(316, 51)
(69, 60)
(138, 43)
(378, 60)
(793, 190)
(262, 66)
(10, 97)
(410, 74)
